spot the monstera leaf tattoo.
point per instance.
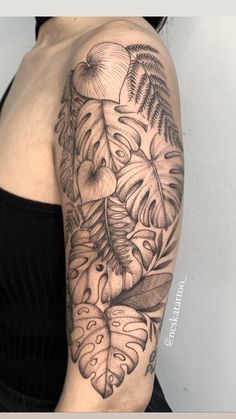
(121, 173)
(103, 339)
(107, 134)
(152, 188)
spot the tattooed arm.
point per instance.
(119, 162)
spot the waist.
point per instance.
(33, 352)
(33, 346)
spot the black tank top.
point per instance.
(33, 344)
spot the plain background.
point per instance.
(198, 372)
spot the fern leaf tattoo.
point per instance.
(147, 86)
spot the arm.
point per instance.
(119, 163)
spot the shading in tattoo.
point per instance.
(73, 219)
(152, 362)
(147, 86)
(121, 173)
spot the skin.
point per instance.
(31, 156)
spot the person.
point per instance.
(91, 198)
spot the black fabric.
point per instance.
(157, 22)
(5, 94)
(39, 22)
(33, 345)
(33, 349)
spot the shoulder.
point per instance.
(128, 63)
(123, 35)
(121, 46)
(125, 52)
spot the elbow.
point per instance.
(133, 402)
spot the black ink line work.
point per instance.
(121, 172)
(152, 363)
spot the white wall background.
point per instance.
(198, 372)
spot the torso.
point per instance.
(27, 126)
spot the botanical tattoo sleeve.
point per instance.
(121, 175)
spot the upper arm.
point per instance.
(119, 163)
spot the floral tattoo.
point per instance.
(121, 173)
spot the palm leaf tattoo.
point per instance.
(147, 86)
(66, 128)
(73, 220)
(165, 249)
(122, 173)
(109, 223)
(148, 296)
